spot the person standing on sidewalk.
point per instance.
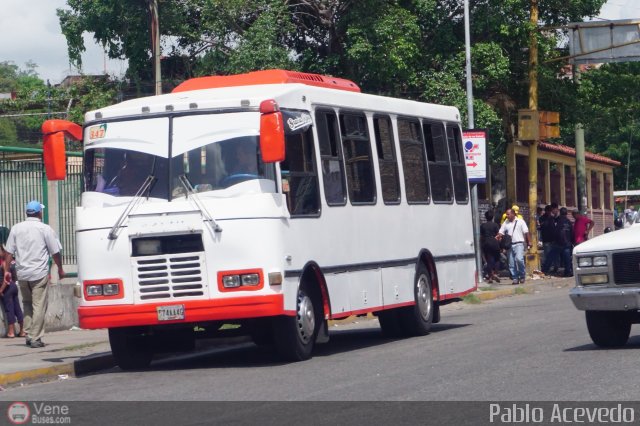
(581, 227)
(565, 241)
(519, 232)
(31, 243)
(9, 295)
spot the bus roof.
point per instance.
(266, 77)
(287, 95)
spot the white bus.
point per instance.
(276, 200)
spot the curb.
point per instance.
(35, 375)
(513, 290)
(81, 366)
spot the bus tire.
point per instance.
(295, 336)
(608, 329)
(390, 323)
(131, 350)
(416, 320)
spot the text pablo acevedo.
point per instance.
(559, 413)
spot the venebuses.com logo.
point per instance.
(18, 413)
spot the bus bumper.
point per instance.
(195, 311)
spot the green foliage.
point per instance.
(407, 48)
(89, 94)
(21, 119)
(609, 106)
(8, 133)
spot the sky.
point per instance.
(30, 31)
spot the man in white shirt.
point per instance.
(519, 232)
(31, 242)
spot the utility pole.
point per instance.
(581, 165)
(533, 259)
(155, 44)
(470, 117)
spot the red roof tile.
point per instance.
(563, 149)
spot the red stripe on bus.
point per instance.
(457, 295)
(194, 311)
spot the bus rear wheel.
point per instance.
(416, 320)
(130, 348)
(295, 335)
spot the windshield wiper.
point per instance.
(184, 180)
(137, 198)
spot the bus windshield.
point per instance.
(215, 166)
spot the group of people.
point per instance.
(557, 232)
(24, 262)
(559, 235)
(510, 237)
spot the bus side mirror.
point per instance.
(55, 159)
(271, 132)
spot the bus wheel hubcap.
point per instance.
(424, 299)
(306, 318)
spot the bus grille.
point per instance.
(626, 267)
(170, 276)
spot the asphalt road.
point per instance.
(524, 348)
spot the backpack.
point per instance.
(505, 242)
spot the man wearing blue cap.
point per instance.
(31, 242)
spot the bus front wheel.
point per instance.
(417, 319)
(295, 335)
(130, 348)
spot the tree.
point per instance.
(407, 48)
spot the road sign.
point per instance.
(475, 154)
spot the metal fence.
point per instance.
(23, 178)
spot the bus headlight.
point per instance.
(231, 281)
(94, 290)
(110, 289)
(600, 261)
(246, 279)
(250, 279)
(594, 279)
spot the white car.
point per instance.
(607, 273)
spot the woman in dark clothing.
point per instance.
(490, 247)
(9, 294)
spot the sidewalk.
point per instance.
(76, 352)
(67, 353)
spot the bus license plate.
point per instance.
(170, 313)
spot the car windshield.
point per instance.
(215, 166)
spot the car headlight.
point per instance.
(585, 261)
(600, 261)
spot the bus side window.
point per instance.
(438, 157)
(299, 175)
(458, 167)
(416, 181)
(357, 157)
(331, 158)
(387, 160)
